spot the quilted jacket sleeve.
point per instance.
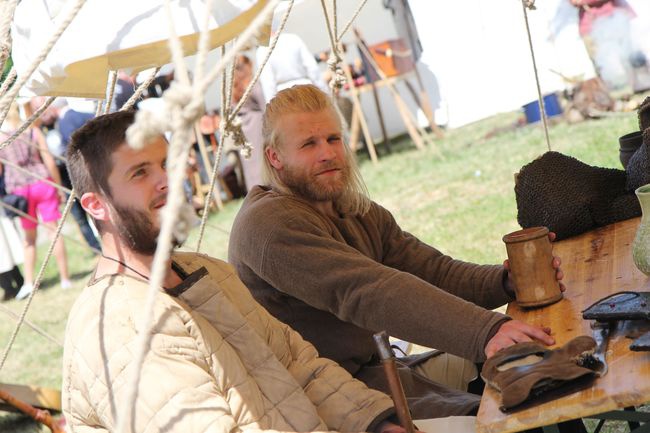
(343, 402)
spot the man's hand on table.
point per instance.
(556, 263)
(515, 331)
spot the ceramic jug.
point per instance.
(641, 245)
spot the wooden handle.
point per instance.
(394, 383)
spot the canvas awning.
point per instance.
(120, 34)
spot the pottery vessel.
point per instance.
(629, 143)
(641, 244)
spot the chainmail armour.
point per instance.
(570, 197)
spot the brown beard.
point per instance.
(136, 230)
(312, 188)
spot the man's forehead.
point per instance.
(126, 155)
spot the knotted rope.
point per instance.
(334, 61)
(231, 126)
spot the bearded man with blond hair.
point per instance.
(334, 265)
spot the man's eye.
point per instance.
(308, 143)
(139, 172)
(334, 138)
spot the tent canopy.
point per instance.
(100, 39)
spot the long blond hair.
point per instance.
(309, 98)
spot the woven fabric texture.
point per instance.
(571, 197)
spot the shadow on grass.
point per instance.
(53, 281)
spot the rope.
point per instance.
(141, 88)
(229, 127)
(227, 113)
(37, 282)
(184, 104)
(36, 176)
(11, 95)
(57, 157)
(530, 4)
(354, 17)
(9, 80)
(111, 91)
(32, 325)
(27, 123)
(100, 105)
(7, 17)
(252, 30)
(335, 19)
(328, 24)
(36, 221)
(183, 112)
(258, 73)
(204, 40)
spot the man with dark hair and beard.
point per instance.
(217, 361)
(334, 265)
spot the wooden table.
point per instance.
(595, 264)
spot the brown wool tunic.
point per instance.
(339, 280)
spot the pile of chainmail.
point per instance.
(570, 197)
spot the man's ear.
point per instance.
(274, 158)
(96, 205)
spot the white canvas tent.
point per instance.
(476, 59)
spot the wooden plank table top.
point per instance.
(595, 264)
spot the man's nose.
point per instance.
(326, 151)
(161, 182)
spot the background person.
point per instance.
(30, 152)
(11, 253)
(604, 26)
(250, 115)
(65, 120)
(290, 63)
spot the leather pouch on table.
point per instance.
(620, 306)
(532, 373)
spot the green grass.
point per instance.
(462, 203)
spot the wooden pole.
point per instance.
(382, 124)
(357, 107)
(208, 167)
(39, 415)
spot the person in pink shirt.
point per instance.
(29, 151)
(604, 26)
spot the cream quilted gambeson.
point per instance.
(219, 362)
